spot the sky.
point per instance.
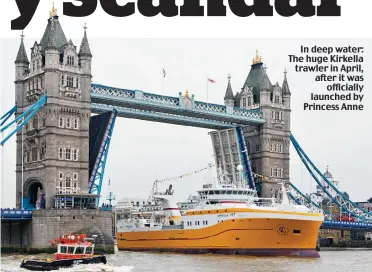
(142, 151)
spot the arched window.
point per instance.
(70, 60)
(35, 122)
(68, 122)
(277, 99)
(68, 181)
(75, 154)
(61, 122)
(70, 81)
(249, 146)
(60, 153)
(250, 101)
(244, 102)
(76, 123)
(68, 154)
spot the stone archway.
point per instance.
(33, 194)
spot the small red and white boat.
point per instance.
(72, 249)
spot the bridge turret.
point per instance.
(286, 92)
(85, 55)
(85, 63)
(21, 68)
(51, 49)
(229, 95)
(21, 62)
(269, 152)
(56, 142)
(265, 90)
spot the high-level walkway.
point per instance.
(182, 110)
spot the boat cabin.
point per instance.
(74, 246)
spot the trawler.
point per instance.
(229, 218)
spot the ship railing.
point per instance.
(266, 202)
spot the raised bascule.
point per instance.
(62, 148)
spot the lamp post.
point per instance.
(22, 165)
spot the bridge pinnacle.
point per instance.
(285, 87)
(84, 47)
(22, 56)
(257, 59)
(53, 12)
(229, 95)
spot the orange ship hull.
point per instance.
(247, 236)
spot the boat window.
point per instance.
(211, 192)
(235, 192)
(88, 250)
(245, 193)
(216, 192)
(223, 192)
(70, 250)
(79, 250)
(240, 192)
(229, 192)
(63, 249)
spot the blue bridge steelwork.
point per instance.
(344, 225)
(166, 109)
(16, 214)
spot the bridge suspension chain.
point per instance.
(340, 200)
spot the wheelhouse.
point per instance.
(210, 192)
(79, 249)
(74, 246)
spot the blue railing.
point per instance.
(15, 214)
(332, 224)
(137, 99)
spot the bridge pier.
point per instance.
(15, 235)
(33, 236)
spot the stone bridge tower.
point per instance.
(268, 144)
(55, 143)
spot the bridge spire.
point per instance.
(285, 86)
(22, 56)
(52, 39)
(84, 47)
(229, 95)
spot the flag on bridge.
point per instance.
(211, 80)
(109, 182)
(164, 73)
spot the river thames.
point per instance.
(358, 260)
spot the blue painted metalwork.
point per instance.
(333, 224)
(15, 214)
(245, 158)
(8, 114)
(340, 200)
(304, 198)
(96, 179)
(23, 118)
(105, 208)
(155, 104)
(162, 117)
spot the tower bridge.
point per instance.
(61, 153)
(62, 145)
